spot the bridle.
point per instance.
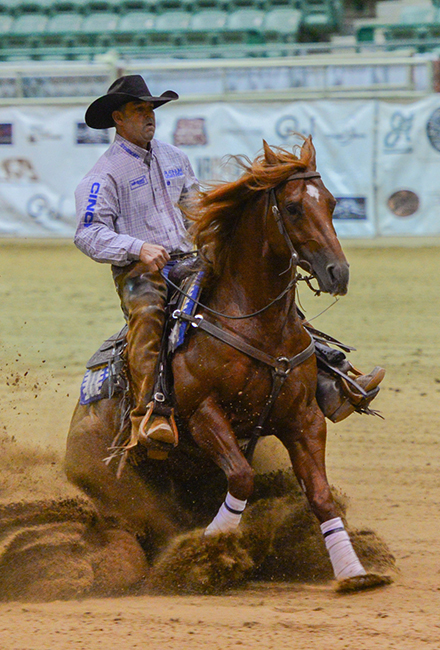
(273, 206)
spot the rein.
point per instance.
(280, 366)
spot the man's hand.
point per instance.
(154, 257)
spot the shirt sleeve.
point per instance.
(190, 185)
(97, 209)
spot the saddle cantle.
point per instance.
(105, 373)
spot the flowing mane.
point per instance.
(217, 211)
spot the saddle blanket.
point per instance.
(92, 384)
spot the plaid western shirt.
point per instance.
(131, 197)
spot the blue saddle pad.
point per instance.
(191, 288)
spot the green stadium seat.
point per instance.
(5, 24)
(244, 26)
(205, 27)
(170, 28)
(211, 4)
(78, 6)
(318, 16)
(93, 6)
(62, 29)
(134, 28)
(26, 30)
(281, 25)
(32, 6)
(97, 28)
(139, 5)
(8, 6)
(415, 15)
(176, 5)
(247, 4)
(29, 24)
(416, 23)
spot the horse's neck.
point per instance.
(253, 276)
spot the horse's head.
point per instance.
(306, 207)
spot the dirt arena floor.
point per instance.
(57, 306)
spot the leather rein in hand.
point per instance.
(280, 366)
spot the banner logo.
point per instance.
(18, 169)
(190, 132)
(39, 132)
(288, 126)
(433, 129)
(403, 203)
(350, 207)
(5, 133)
(347, 136)
(398, 138)
(86, 135)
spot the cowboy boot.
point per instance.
(143, 298)
(338, 398)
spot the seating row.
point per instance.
(17, 7)
(415, 23)
(210, 26)
(171, 28)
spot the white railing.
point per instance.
(314, 76)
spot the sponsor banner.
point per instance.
(408, 168)
(342, 134)
(381, 161)
(44, 153)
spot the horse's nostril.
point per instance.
(331, 272)
(338, 274)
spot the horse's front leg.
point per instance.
(306, 447)
(213, 433)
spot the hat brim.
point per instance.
(99, 113)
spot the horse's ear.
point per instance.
(309, 150)
(269, 155)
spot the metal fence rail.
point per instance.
(311, 76)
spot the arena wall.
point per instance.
(380, 159)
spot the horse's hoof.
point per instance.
(361, 583)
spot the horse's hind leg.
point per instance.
(307, 453)
(127, 503)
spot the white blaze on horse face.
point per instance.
(313, 191)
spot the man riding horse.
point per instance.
(129, 216)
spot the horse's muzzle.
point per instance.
(337, 278)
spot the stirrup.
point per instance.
(356, 401)
(158, 433)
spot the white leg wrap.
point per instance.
(228, 516)
(344, 560)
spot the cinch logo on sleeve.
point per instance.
(91, 204)
(173, 173)
(138, 182)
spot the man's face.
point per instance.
(135, 122)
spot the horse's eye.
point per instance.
(292, 208)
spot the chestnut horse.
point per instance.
(252, 233)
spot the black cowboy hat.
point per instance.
(130, 88)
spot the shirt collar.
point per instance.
(134, 150)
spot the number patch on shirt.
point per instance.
(138, 182)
